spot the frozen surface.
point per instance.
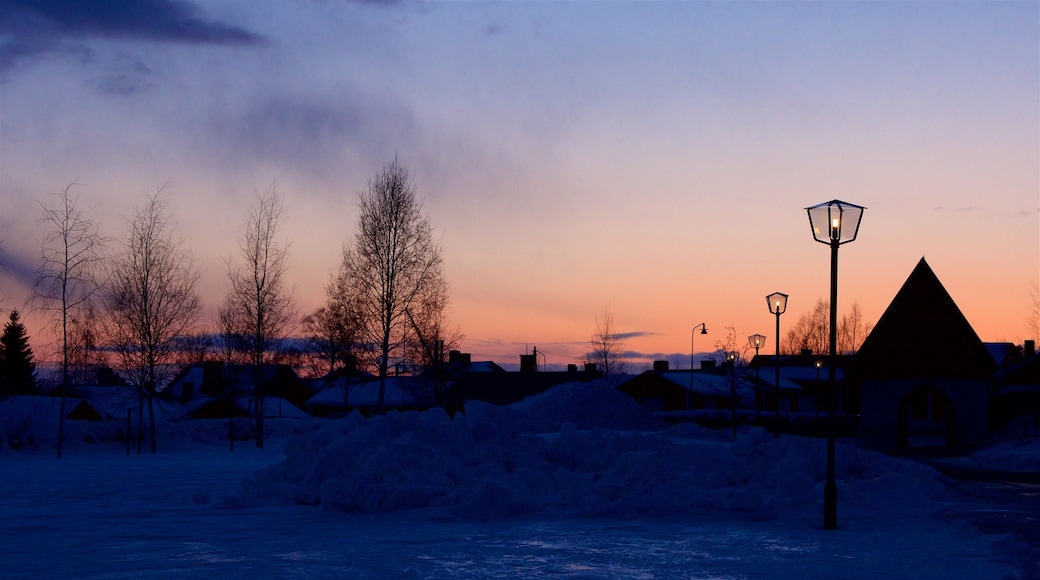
(599, 491)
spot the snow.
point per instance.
(577, 482)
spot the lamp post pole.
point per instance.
(756, 341)
(693, 332)
(830, 488)
(777, 302)
(833, 223)
(731, 358)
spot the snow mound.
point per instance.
(575, 450)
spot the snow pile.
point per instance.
(576, 450)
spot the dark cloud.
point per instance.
(312, 133)
(129, 76)
(30, 28)
(21, 268)
(634, 334)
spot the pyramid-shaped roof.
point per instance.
(923, 334)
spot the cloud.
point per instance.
(312, 133)
(19, 268)
(30, 28)
(130, 75)
(635, 334)
(963, 208)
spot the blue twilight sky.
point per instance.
(653, 157)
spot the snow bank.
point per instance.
(576, 450)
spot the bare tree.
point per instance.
(607, 346)
(70, 276)
(336, 329)
(151, 302)
(812, 331)
(1033, 319)
(259, 308)
(732, 341)
(394, 265)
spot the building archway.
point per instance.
(927, 419)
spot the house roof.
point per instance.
(403, 391)
(923, 334)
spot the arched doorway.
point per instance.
(926, 419)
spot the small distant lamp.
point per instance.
(757, 341)
(731, 359)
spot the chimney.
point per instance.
(212, 376)
(1029, 347)
(660, 366)
(350, 363)
(187, 392)
(458, 357)
(572, 368)
(528, 363)
(590, 368)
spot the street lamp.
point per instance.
(757, 341)
(777, 302)
(693, 333)
(731, 359)
(819, 365)
(833, 223)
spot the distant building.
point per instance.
(923, 374)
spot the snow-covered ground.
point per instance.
(578, 483)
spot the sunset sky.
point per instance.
(653, 157)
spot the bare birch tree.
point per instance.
(151, 302)
(69, 278)
(259, 307)
(394, 266)
(607, 346)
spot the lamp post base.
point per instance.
(830, 506)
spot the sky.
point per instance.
(654, 159)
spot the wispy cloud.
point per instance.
(959, 209)
(30, 28)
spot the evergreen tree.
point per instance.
(17, 368)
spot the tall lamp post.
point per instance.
(833, 223)
(777, 302)
(731, 359)
(693, 333)
(757, 341)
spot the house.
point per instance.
(923, 375)
(664, 390)
(1016, 391)
(804, 383)
(494, 385)
(217, 379)
(345, 393)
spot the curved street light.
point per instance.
(833, 223)
(693, 333)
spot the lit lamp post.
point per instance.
(819, 365)
(757, 341)
(731, 359)
(833, 223)
(693, 333)
(777, 302)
